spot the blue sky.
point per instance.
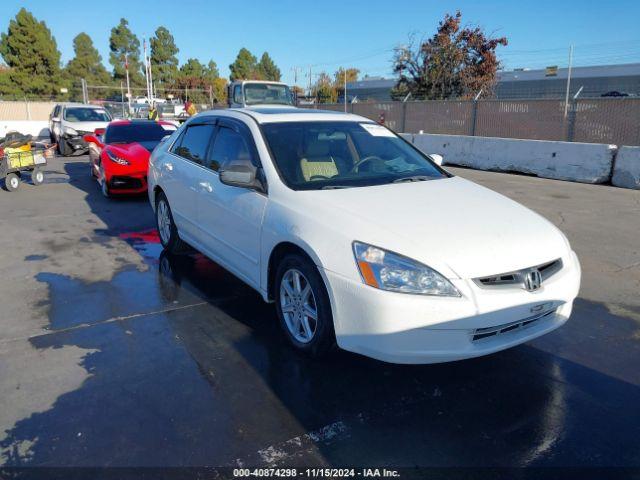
(327, 34)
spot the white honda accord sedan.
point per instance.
(358, 238)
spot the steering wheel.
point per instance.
(362, 161)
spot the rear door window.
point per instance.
(194, 142)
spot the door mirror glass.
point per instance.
(243, 175)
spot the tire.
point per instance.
(62, 148)
(294, 304)
(37, 176)
(167, 230)
(12, 182)
(104, 186)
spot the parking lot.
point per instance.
(115, 354)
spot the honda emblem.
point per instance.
(532, 280)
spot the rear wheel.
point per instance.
(37, 176)
(167, 230)
(303, 306)
(12, 182)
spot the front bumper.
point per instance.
(76, 144)
(401, 328)
(127, 183)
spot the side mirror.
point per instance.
(99, 131)
(437, 159)
(165, 138)
(242, 175)
(55, 119)
(89, 138)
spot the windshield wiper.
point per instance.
(415, 178)
(334, 187)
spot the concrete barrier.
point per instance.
(626, 168)
(578, 162)
(37, 128)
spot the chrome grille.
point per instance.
(517, 278)
(481, 333)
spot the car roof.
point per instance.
(276, 114)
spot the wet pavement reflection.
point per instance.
(188, 367)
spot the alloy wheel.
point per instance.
(298, 305)
(164, 222)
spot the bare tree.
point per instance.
(455, 62)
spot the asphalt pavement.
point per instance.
(113, 353)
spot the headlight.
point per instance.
(390, 271)
(114, 158)
(69, 131)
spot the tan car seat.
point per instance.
(318, 161)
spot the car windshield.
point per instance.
(146, 134)
(83, 114)
(323, 155)
(265, 93)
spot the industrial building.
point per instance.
(591, 81)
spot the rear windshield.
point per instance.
(147, 134)
(83, 114)
(322, 155)
(260, 93)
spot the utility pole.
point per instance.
(210, 96)
(122, 97)
(566, 98)
(295, 74)
(126, 68)
(84, 90)
(345, 90)
(309, 81)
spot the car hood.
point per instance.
(86, 126)
(451, 222)
(133, 152)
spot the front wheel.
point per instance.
(167, 230)
(12, 182)
(303, 306)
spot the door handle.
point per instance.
(206, 186)
(168, 167)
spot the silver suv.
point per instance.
(69, 122)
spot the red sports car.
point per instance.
(119, 156)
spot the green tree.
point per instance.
(192, 68)
(211, 71)
(32, 54)
(191, 81)
(245, 67)
(455, 62)
(164, 61)
(87, 64)
(324, 90)
(123, 43)
(267, 68)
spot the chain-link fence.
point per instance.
(599, 120)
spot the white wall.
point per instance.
(578, 162)
(626, 169)
(37, 128)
